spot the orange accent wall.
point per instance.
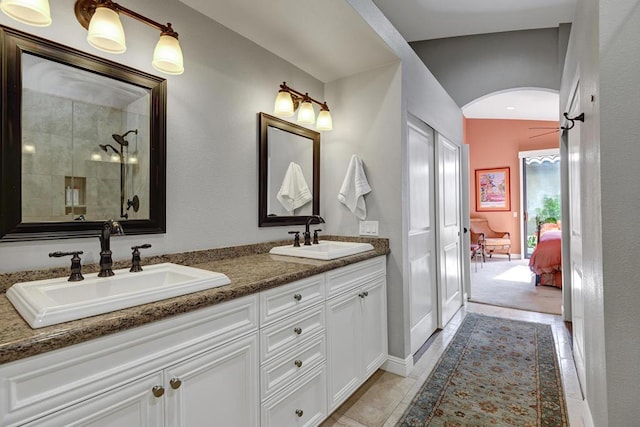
(495, 143)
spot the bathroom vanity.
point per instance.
(284, 344)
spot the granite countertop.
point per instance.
(250, 268)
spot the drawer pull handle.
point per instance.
(297, 330)
(158, 391)
(361, 294)
(366, 293)
(175, 383)
(299, 412)
(298, 363)
(297, 297)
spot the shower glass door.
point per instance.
(541, 194)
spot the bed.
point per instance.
(546, 260)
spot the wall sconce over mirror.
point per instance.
(102, 20)
(289, 100)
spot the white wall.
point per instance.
(367, 123)
(604, 53)
(620, 193)
(212, 132)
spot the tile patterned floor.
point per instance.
(382, 400)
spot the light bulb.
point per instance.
(106, 32)
(28, 148)
(306, 114)
(324, 120)
(167, 56)
(30, 12)
(115, 158)
(284, 104)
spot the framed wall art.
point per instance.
(493, 190)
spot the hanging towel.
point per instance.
(294, 191)
(354, 187)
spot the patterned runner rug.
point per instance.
(495, 372)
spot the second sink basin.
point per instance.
(325, 249)
(48, 302)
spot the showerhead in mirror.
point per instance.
(104, 148)
(120, 138)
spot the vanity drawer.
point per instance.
(282, 336)
(290, 299)
(351, 276)
(304, 404)
(286, 368)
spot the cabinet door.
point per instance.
(344, 360)
(132, 404)
(374, 326)
(217, 388)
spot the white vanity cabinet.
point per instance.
(356, 327)
(179, 371)
(293, 354)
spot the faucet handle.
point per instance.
(296, 239)
(315, 236)
(76, 266)
(135, 257)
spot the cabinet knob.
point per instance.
(298, 363)
(297, 297)
(175, 383)
(158, 391)
(361, 295)
(297, 330)
(299, 412)
(366, 293)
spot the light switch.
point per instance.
(368, 228)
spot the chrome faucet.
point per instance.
(307, 233)
(108, 228)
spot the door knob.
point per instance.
(157, 391)
(175, 383)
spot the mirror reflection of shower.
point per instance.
(123, 156)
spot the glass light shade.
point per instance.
(324, 120)
(284, 104)
(106, 32)
(115, 158)
(133, 160)
(30, 12)
(306, 114)
(96, 156)
(167, 56)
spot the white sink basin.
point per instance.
(325, 249)
(47, 302)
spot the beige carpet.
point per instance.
(511, 284)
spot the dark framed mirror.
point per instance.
(83, 141)
(289, 172)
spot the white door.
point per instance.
(575, 242)
(219, 387)
(421, 234)
(450, 285)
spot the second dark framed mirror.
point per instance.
(289, 172)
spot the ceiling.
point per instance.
(434, 19)
(329, 40)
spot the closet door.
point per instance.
(449, 216)
(421, 234)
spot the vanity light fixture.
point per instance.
(102, 20)
(30, 12)
(289, 100)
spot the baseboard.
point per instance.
(395, 365)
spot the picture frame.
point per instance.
(493, 190)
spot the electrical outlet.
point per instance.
(368, 228)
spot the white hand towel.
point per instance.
(294, 191)
(354, 187)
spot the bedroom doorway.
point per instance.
(539, 193)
